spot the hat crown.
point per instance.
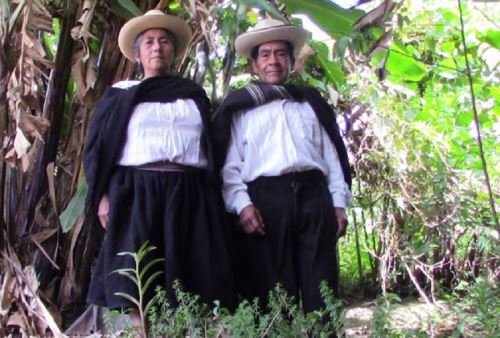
(267, 23)
(154, 12)
(270, 30)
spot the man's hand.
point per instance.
(103, 211)
(251, 221)
(341, 221)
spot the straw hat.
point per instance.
(270, 30)
(153, 19)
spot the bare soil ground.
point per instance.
(410, 317)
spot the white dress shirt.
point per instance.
(276, 138)
(163, 131)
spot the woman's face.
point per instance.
(155, 52)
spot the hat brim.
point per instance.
(132, 28)
(296, 35)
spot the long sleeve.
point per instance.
(234, 189)
(337, 186)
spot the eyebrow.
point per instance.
(272, 50)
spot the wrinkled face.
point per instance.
(155, 52)
(272, 64)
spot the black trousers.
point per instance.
(298, 249)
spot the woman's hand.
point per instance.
(103, 211)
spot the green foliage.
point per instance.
(190, 317)
(50, 40)
(330, 17)
(113, 316)
(350, 278)
(140, 275)
(333, 70)
(402, 64)
(493, 38)
(282, 318)
(75, 207)
(480, 308)
(382, 325)
(126, 9)
(421, 173)
(266, 6)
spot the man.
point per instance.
(285, 172)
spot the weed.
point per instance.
(138, 276)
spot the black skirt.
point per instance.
(182, 216)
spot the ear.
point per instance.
(137, 59)
(253, 64)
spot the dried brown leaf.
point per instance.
(35, 126)
(52, 186)
(301, 60)
(21, 143)
(44, 235)
(17, 155)
(7, 293)
(85, 73)
(17, 320)
(69, 287)
(45, 253)
(38, 17)
(24, 85)
(44, 319)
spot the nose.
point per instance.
(273, 59)
(156, 44)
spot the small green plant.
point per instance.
(243, 322)
(334, 309)
(125, 329)
(381, 327)
(283, 317)
(137, 276)
(480, 308)
(190, 317)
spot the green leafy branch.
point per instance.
(137, 275)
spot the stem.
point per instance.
(358, 251)
(141, 297)
(15, 16)
(417, 285)
(476, 119)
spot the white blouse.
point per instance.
(276, 138)
(163, 131)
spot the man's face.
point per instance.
(272, 64)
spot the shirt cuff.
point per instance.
(341, 200)
(241, 201)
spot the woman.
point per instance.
(148, 162)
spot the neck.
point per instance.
(259, 81)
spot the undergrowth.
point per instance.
(283, 316)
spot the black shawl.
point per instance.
(109, 122)
(258, 93)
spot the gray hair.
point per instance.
(138, 40)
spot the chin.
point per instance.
(275, 80)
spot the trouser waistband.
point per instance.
(168, 166)
(300, 176)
